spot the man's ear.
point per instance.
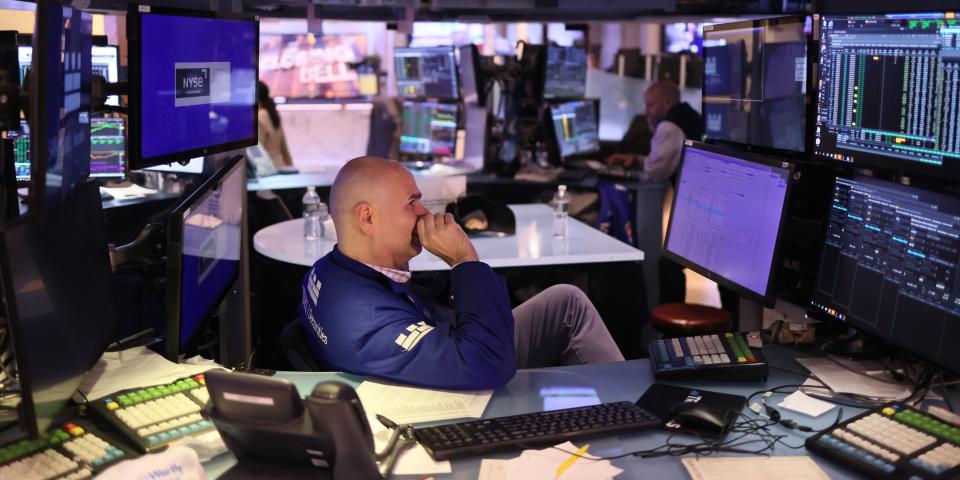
(365, 214)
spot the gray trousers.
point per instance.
(560, 326)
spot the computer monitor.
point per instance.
(59, 104)
(565, 74)
(108, 155)
(668, 67)
(889, 266)
(21, 153)
(106, 63)
(24, 58)
(576, 129)
(630, 62)
(429, 128)
(193, 83)
(756, 70)
(204, 245)
(426, 72)
(472, 85)
(58, 292)
(889, 92)
(727, 216)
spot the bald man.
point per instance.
(671, 122)
(364, 317)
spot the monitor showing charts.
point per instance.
(429, 128)
(107, 148)
(727, 216)
(426, 72)
(889, 266)
(889, 92)
(565, 73)
(576, 127)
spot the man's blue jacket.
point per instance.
(359, 321)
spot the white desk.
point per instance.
(533, 245)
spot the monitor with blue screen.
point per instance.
(565, 73)
(727, 216)
(193, 84)
(203, 253)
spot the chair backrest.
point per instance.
(294, 347)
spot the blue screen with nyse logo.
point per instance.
(198, 83)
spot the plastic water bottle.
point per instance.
(323, 213)
(561, 203)
(311, 214)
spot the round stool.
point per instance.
(685, 319)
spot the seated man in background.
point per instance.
(363, 317)
(671, 122)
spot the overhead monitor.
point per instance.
(204, 243)
(755, 90)
(889, 266)
(106, 63)
(193, 83)
(565, 74)
(727, 216)
(576, 128)
(58, 291)
(426, 72)
(429, 128)
(108, 156)
(889, 89)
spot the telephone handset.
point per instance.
(275, 434)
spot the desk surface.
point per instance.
(563, 387)
(533, 244)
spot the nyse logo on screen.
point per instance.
(193, 82)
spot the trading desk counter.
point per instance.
(564, 387)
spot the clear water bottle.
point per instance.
(312, 228)
(561, 204)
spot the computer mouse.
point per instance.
(700, 418)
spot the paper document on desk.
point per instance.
(544, 463)
(415, 405)
(135, 368)
(843, 380)
(753, 468)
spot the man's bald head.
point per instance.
(658, 99)
(358, 182)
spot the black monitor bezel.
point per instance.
(473, 53)
(455, 105)
(456, 74)
(810, 98)
(768, 298)
(553, 141)
(174, 273)
(870, 160)
(135, 13)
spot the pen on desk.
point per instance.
(386, 422)
(573, 458)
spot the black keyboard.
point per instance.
(481, 436)
(710, 357)
(893, 441)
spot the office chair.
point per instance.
(294, 347)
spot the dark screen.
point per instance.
(9, 81)
(426, 72)
(890, 85)
(429, 128)
(889, 265)
(566, 72)
(726, 217)
(59, 290)
(755, 83)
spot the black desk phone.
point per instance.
(276, 434)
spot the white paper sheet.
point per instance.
(753, 468)
(414, 405)
(533, 464)
(805, 404)
(135, 368)
(842, 380)
(132, 191)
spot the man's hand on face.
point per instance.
(441, 236)
(624, 159)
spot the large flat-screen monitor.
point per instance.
(108, 155)
(60, 104)
(426, 72)
(58, 291)
(727, 217)
(429, 128)
(193, 83)
(888, 266)
(889, 90)
(565, 73)
(755, 90)
(576, 127)
(106, 63)
(307, 66)
(204, 244)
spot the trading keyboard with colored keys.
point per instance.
(156, 416)
(894, 441)
(715, 357)
(71, 451)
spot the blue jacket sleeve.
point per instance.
(473, 351)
